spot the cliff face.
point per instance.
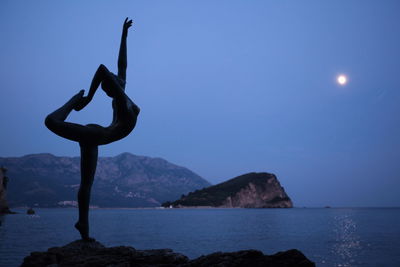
(252, 190)
(123, 181)
(3, 200)
(262, 195)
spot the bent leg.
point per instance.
(55, 121)
(98, 77)
(89, 154)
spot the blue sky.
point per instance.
(224, 87)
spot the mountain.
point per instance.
(252, 190)
(126, 180)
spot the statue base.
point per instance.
(93, 253)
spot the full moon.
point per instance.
(342, 79)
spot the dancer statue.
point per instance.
(90, 136)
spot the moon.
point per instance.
(342, 79)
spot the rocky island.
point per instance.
(81, 253)
(251, 190)
(3, 193)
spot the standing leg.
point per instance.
(89, 155)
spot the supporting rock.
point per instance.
(83, 253)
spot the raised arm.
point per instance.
(122, 57)
(102, 70)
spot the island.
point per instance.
(251, 190)
(4, 209)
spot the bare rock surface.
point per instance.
(85, 254)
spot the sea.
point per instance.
(328, 236)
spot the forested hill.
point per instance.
(125, 180)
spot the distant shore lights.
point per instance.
(342, 79)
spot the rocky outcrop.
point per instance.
(254, 258)
(3, 192)
(81, 253)
(269, 194)
(252, 190)
(126, 180)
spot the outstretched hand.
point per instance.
(127, 24)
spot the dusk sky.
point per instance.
(224, 87)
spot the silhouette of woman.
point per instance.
(90, 136)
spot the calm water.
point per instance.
(329, 237)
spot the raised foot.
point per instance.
(78, 101)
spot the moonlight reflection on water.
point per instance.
(347, 244)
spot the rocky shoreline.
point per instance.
(81, 253)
